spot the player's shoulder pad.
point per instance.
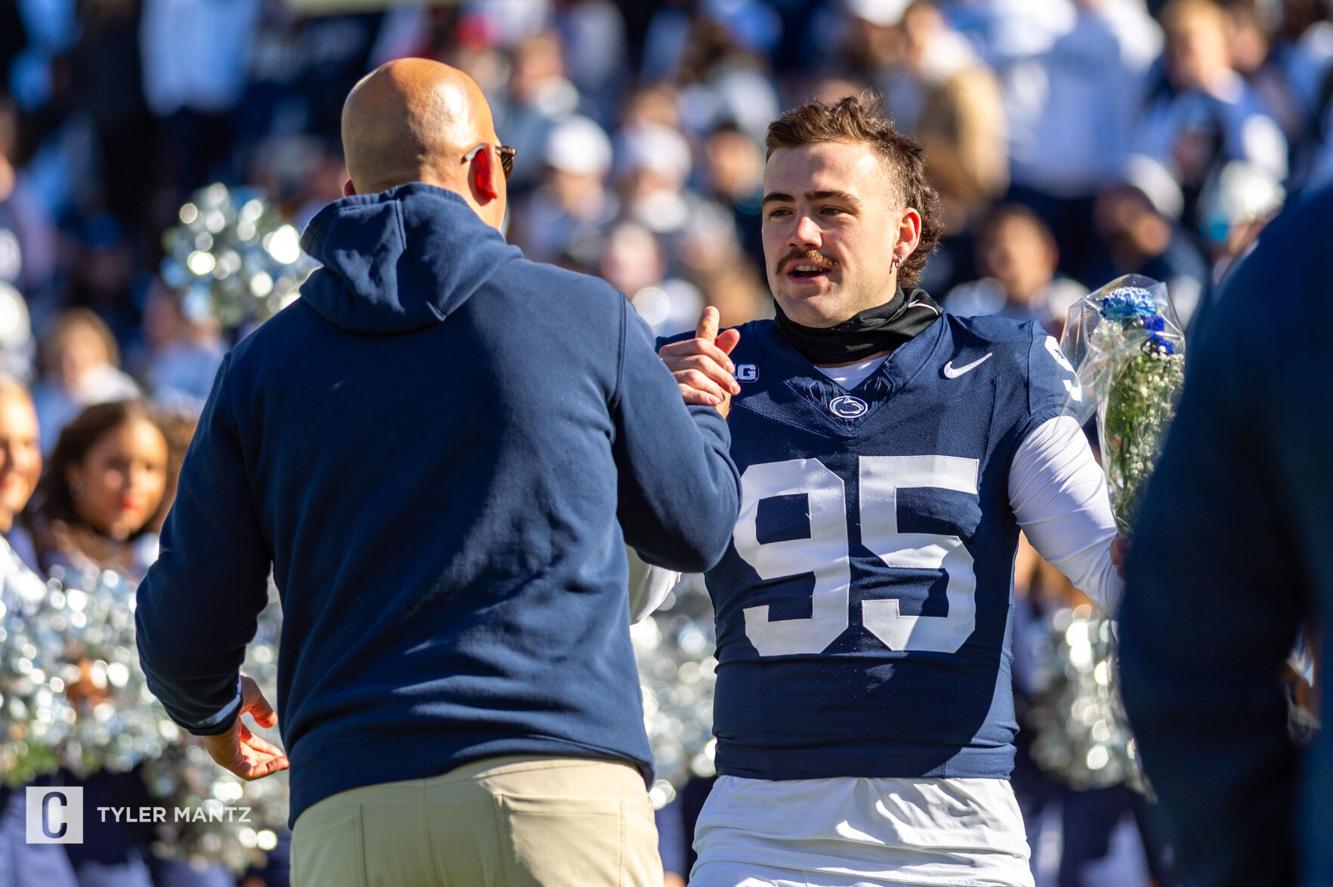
(1010, 341)
(1025, 357)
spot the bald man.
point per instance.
(443, 134)
(440, 451)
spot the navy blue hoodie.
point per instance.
(1232, 553)
(436, 448)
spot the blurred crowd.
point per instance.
(1071, 141)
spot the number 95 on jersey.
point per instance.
(883, 539)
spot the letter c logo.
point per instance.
(46, 815)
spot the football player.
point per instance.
(891, 453)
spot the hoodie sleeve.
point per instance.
(679, 490)
(198, 605)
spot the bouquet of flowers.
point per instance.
(1129, 353)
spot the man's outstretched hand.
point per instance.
(241, 751)
(701, 365)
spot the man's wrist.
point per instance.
(222, 720)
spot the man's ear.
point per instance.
(348, 188)
(909, 233)
(481, 175)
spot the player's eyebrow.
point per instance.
(840, 196)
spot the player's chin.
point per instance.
(794, 290)
(815, 299)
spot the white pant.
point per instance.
(850, 832)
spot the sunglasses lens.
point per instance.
(507, 161)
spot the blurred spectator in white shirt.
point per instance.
(80, 367)
(592, 33)
(195, 56)
(1204, 114)
(869, 41)
(539, 96)
(183, 353)
(1235, 206)
(1083, 96)
(723, 72)
(571, 202)
(949, 100)
(633, 262)
(510, 22)
(1072, 111)
(652, 166)
(27, 236)
(17, 347)
(1004, 30)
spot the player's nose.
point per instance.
(806, 233)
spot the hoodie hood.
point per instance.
(399, 260)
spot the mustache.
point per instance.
(808, 257)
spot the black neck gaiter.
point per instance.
(874, 330)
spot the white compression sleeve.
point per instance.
(652, 590)
(1058, 493)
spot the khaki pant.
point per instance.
(498, 822)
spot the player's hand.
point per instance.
(242, 752)
(1119, 553)
(701, 365)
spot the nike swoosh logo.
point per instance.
(953, 372)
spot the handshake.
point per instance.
(702, 367)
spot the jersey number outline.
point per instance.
(881, 477)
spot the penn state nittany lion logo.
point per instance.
(847, 407)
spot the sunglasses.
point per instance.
(506, 153)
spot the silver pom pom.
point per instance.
(82, 627)
(677, 673)
(1083, 735)
(185, 777)
(233, 257)
(35, 712)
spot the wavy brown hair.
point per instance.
(54, 520)
(860, 118)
